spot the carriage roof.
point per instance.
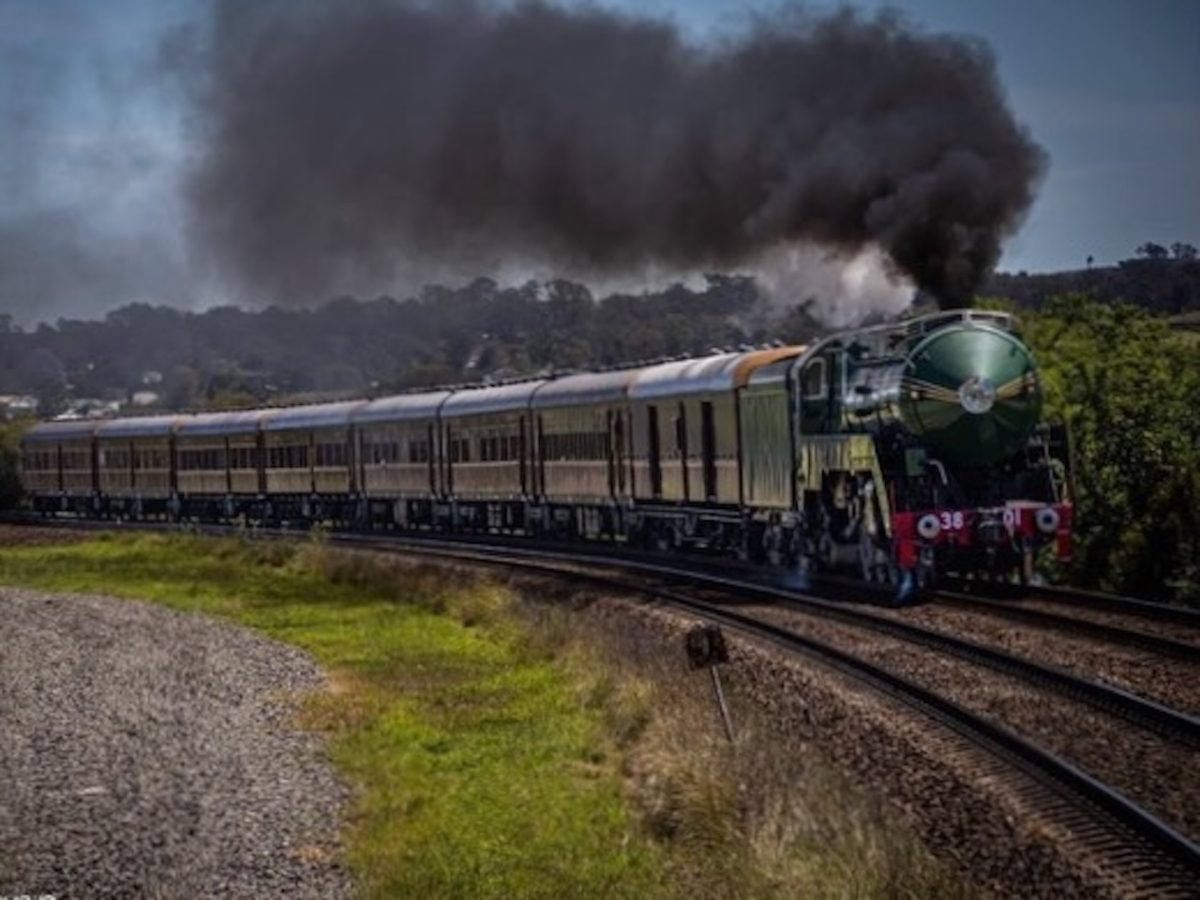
(586, 389)
(496, 399)
(69, 430)
(400, 408)
(220, 423)
(706, 374)
(313, 415)
(138, 427)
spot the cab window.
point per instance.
(813, 382)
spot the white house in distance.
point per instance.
(14, 406)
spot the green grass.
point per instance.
(479, 771)
(515, 749)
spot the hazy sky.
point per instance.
(92, 140)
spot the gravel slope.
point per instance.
(149, 753)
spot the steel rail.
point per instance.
(1146, 609)
(1114, 634)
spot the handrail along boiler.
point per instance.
(899, 450)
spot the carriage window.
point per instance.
(381, 452)
(814, 380)
(331, 455)
(291, 457)
(460, 449)
(242, 458)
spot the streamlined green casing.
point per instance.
(972, 392)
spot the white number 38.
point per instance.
(951, 521)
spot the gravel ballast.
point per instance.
(150, 753)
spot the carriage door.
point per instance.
(431, 456)
(655, 452)
(520, 446)
(617, 421)
(708, 450)
(681, 444)
(540, 487)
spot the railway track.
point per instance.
(1111, 825)
(1071, 598)
(1082, 621)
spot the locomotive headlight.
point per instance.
(1047, 520)
(977, 395)
(928, 526)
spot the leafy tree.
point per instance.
(1151, 250)
(1127, 386)
(10, 482)
(1183, 251)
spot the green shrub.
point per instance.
(1126, 384)
(10, 479)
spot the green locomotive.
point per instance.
(964, 476)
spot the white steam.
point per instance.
(840, 290)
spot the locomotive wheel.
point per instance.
(866, 556)
(875, 562)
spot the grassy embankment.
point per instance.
(493, 753)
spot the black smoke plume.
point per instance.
(341, 144)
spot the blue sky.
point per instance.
(1110, 88)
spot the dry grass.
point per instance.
(765, 816)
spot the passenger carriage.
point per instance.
(218, 464)
(59, 467)
(583, 473)
(485, 454)
(399, 458)
(136, 466)
(308, 462)
(688, 446)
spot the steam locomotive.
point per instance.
(899, 451)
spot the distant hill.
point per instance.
(1163, 285)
